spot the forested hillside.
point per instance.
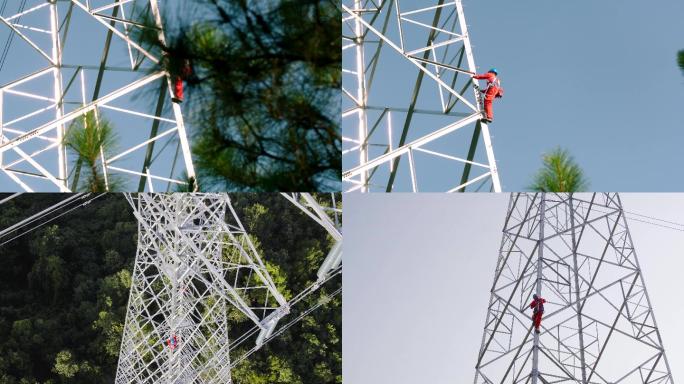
(64, 292)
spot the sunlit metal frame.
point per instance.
(195, 264)
(46, 139)
(446, 56)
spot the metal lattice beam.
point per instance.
(195, 268)
(598, 325)
(64, 78)
(433, 124)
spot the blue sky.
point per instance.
(598, 78)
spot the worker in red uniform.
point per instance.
(184, 72)
(537, 306)
(172, 342)
(492, 91)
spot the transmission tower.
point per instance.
(598, 326)
(196, 268)
(411, 113)
(69, 58)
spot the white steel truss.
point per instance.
(196, 268)
(78, 56)
(432, 123)
(576, 252)
(329, 217)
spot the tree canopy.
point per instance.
(88, 138)
(559, 173)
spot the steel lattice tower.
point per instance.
(196, 268)
(411, 113)
(78, 56)
(598, 325)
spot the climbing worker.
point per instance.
(537, 306)
(172, 342)
(184, 72)
(492, 91)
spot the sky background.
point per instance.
(598, 78)
(419, 267)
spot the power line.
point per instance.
(306, 292)
(44, 213)
(327, 298)
(5, 50)
(2, 8)
(654, 218)
(37, 216)
(629, 215)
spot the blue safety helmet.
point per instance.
(494, 71)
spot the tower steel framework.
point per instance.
(195, 268)
(598, 326)
(72, 57)
(402, 134)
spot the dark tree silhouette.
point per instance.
(263, 90)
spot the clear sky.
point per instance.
(596, 77)
(419, 267)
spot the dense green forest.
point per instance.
(64, 292)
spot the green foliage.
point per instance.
(86, 137)
(264, 93)
(64, 365)
(63, 300)
(64, 294)
(680, 60)
(273, 371)
(559, 173)
(67, 368)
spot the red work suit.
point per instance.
(172, 342)
(493, 89)
(178, 81)
(537, 311)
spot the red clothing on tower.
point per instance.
(492, 91)
(178, 88)
(537, 306)
(536, 319)
(186, 71)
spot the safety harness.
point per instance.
(496, 82)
